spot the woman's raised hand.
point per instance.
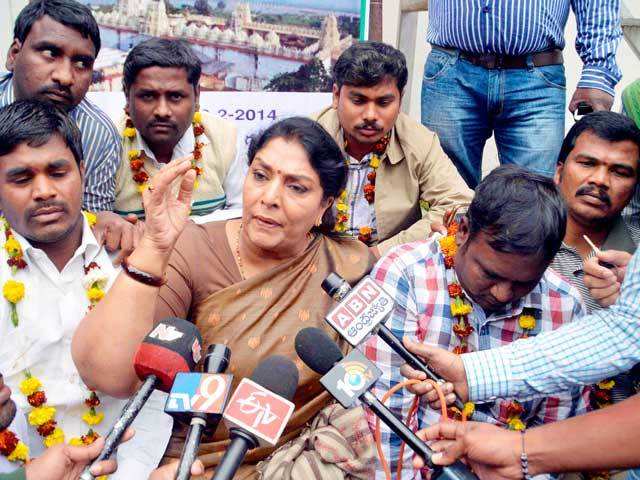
(167, 213)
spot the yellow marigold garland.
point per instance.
(12, 448)
(13, 290)
(136, 159)
(342, 205)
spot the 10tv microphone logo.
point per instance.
(355, 317)
(350, 378)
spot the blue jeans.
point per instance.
(633, 475)
(524, 108)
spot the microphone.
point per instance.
(173, 346)
(363, 310)
(349, 379)
(199, 400)
(258, 411)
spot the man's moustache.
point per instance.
(594, 191)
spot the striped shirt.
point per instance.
(570, 265)
(598, 346)
(101, 145)
(519, 27)
(414, 275)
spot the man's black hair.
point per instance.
(69, 13)
(609, 126)
(519, 212)
(34, 122)
(161, 52)
(365, 64)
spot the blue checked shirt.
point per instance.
(101, 144)
(599, 346)
(518, 27)
(414, 275)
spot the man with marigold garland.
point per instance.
(52, 270)
(162, 122)
(399, 178)
(483, 285)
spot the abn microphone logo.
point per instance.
(366, 305)
(350, 378)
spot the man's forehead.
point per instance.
(37, 156)
(71, 41)
(162, 78)
(519, 267)
(386, 87)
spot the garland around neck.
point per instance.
(136, 157)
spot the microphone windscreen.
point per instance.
(317, 350)
(173, 346)
(277, 374)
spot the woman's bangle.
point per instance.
(524, 460)
(140, 276)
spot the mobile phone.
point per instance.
(583, 109)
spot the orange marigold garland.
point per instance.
(136, 157)
(513, 413)
(342, 205)
(12, 448)
(41, 416)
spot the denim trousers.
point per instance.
(523, 107)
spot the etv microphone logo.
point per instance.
(259, 411)
(350, 378)
(366, 305)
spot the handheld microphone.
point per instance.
(363, 310)
(173, 346)
(258, 411)
(199, 400)
(348, 379)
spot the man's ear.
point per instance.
(557, 177)
(196, 97)
(82, 171)
(462, 235)
(336, 96)
(13, 52)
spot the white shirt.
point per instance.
(233, 181)
(53, 306)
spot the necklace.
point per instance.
(136, 159)
(342, 205)
(237, 252)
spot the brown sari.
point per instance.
(261, 316)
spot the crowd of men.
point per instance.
(541, 242)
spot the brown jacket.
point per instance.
(416, 169)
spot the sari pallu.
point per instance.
(261, 316)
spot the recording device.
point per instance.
(258, 411)
(348, 379)
(173, 346)
(581, 110)
(362, 310)
(198, 399)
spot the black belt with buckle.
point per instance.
(493, 61)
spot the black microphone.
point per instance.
(173, 346)
(363, 311)
(258, 411)
(349, 379)
(199, 399)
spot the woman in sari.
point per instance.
(251, 283)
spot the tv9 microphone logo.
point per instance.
(350, 378)
(199, 392)
(259, 411)
(366, 305)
